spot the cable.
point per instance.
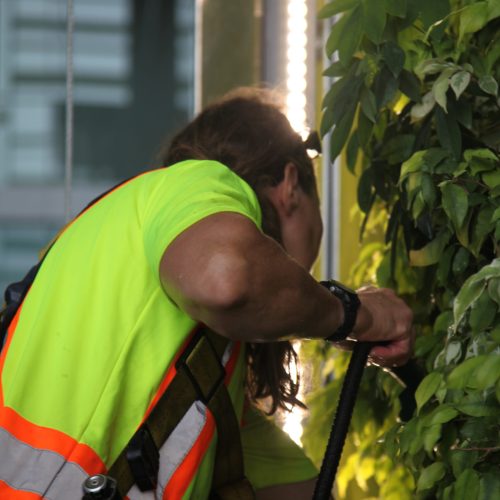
(68, 162)
(340, 426)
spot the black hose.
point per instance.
(323, 489)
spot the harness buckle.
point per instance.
(144, 459)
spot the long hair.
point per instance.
(247, 131)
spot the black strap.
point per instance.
(200, 376)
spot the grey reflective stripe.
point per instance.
(38, 471)
(179, 443)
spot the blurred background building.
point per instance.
(139, 70)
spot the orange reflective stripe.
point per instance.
(8, 493)
(51, 439)
(43, 437)
(231, 363)
(3, 353)
(171, 371)
(184, 474)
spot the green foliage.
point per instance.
(415, 106)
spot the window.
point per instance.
(133, 69)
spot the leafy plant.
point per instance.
(414, 110)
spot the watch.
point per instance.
(350, 302)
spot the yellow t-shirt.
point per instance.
(97, 333)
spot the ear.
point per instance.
(285, 195)
(289, 188)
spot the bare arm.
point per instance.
(225, 273)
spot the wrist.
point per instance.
(350, 305)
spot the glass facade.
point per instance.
(133, 67)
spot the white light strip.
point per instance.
(296, 67)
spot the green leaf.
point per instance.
(430, 476)
(340, 133)
(398, 149)
(431, 436)
(442, 414)
(482, 227)
(396, 7)
(352, 152)
(336, 69)
(429, 191)
(494, 289)
(347, 98)
(433, 10)
(424, 160)
(472, 19)
(373, 20)
(453, 351)
(431, 67)
(462, 375)
(448, 132)
(467, 295)
(444, 264)
(496, 215)
(368, 104)
(430, 253)
(336, 6)
(467, 485)
(365, 129)
(351, 36)
(481, 153)
(459, 82)
(422, 109)
(455, 202)
(385, 87)
(440, 87)
(478, 409)
(326, 122)
(393, 56)
(410, 86)
(427, 388)
(336, 33)
(488, 373)
(489, 85)
(460, 261)
(365, 190)
(489, 486)
(482, 313)
(491, 179)
(462, 460)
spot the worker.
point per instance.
(220, 240)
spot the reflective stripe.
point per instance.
(38, 471)
(183, 451)
(175, 449)
(6, 491)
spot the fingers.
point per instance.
(391, 322)
(396, 353)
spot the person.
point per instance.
(224, 237)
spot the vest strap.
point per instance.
(200, 376)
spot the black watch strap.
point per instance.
(351, 303)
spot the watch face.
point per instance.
(340, 286)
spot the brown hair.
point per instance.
(247, 131)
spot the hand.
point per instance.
(384, 317)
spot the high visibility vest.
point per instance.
(38, 462)
(46, 461)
